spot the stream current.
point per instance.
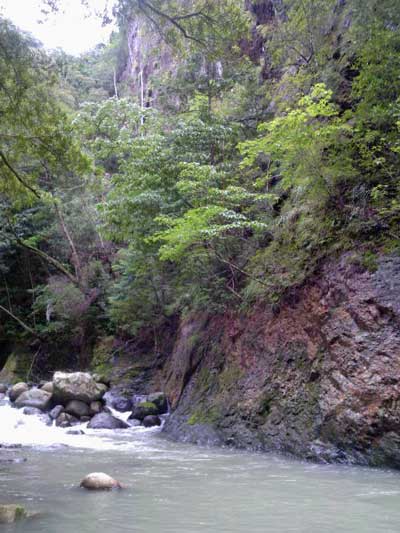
(178, 488)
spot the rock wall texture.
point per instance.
(319, 379)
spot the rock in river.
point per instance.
(64, 420)
(141, 410)
(96, 408)
(56, 411)
(100, 481)
(77, 408)
(160, 400)
(17, 389)
(3, 388)
(11, 513)
(77, 386)
(151, 421)
(106, 421)
(34, 398)
(32, 411)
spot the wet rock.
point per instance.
(34, 398)
(77, 386)
(48, 387)
(17, 389)
(133, 422)
(64, 420)
(121, 404)
(100, 481)
(32, 411)
(85, 418)
(11, 513)
(47, 420)
(77, 408)
(75, 432)
(160, 400)
(151, 421)
(56, 411)
(3, 388)
(106, 421)
(141, 410)
(95, 408)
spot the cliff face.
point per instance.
(148, 56)
(319, 379)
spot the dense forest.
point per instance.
(212, 157)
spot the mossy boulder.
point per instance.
(143, 409)
(160, 400)
(12, 513)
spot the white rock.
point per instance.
(100, 481)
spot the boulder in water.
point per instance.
(151, 421)
(34, 398)
(77, 408)
(64, 420)
(141, 410)
(121, 404)
(96, 408)
(17, 389)
(11, 513)
(77, 386)
(133, 422)
(3, 388)
(56, 411)
(107, 421)
(32, 411)
(100, 481)
(75, 432)
(160, 400)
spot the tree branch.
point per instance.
(17, 175)
(170, 19)
(56, 264)
(20, 322)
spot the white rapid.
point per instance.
(17, 428)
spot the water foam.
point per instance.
(16, 428)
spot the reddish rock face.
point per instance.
(320, 378)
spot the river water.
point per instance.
(176, 488)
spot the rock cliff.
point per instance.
(319, 378)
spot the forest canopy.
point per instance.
(244, 144)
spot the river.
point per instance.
(177, 488)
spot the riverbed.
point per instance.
(177, 488)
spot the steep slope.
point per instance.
(320, 378)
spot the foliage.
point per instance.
(268, 149)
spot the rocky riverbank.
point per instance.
(317, 377)
(75, 398)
